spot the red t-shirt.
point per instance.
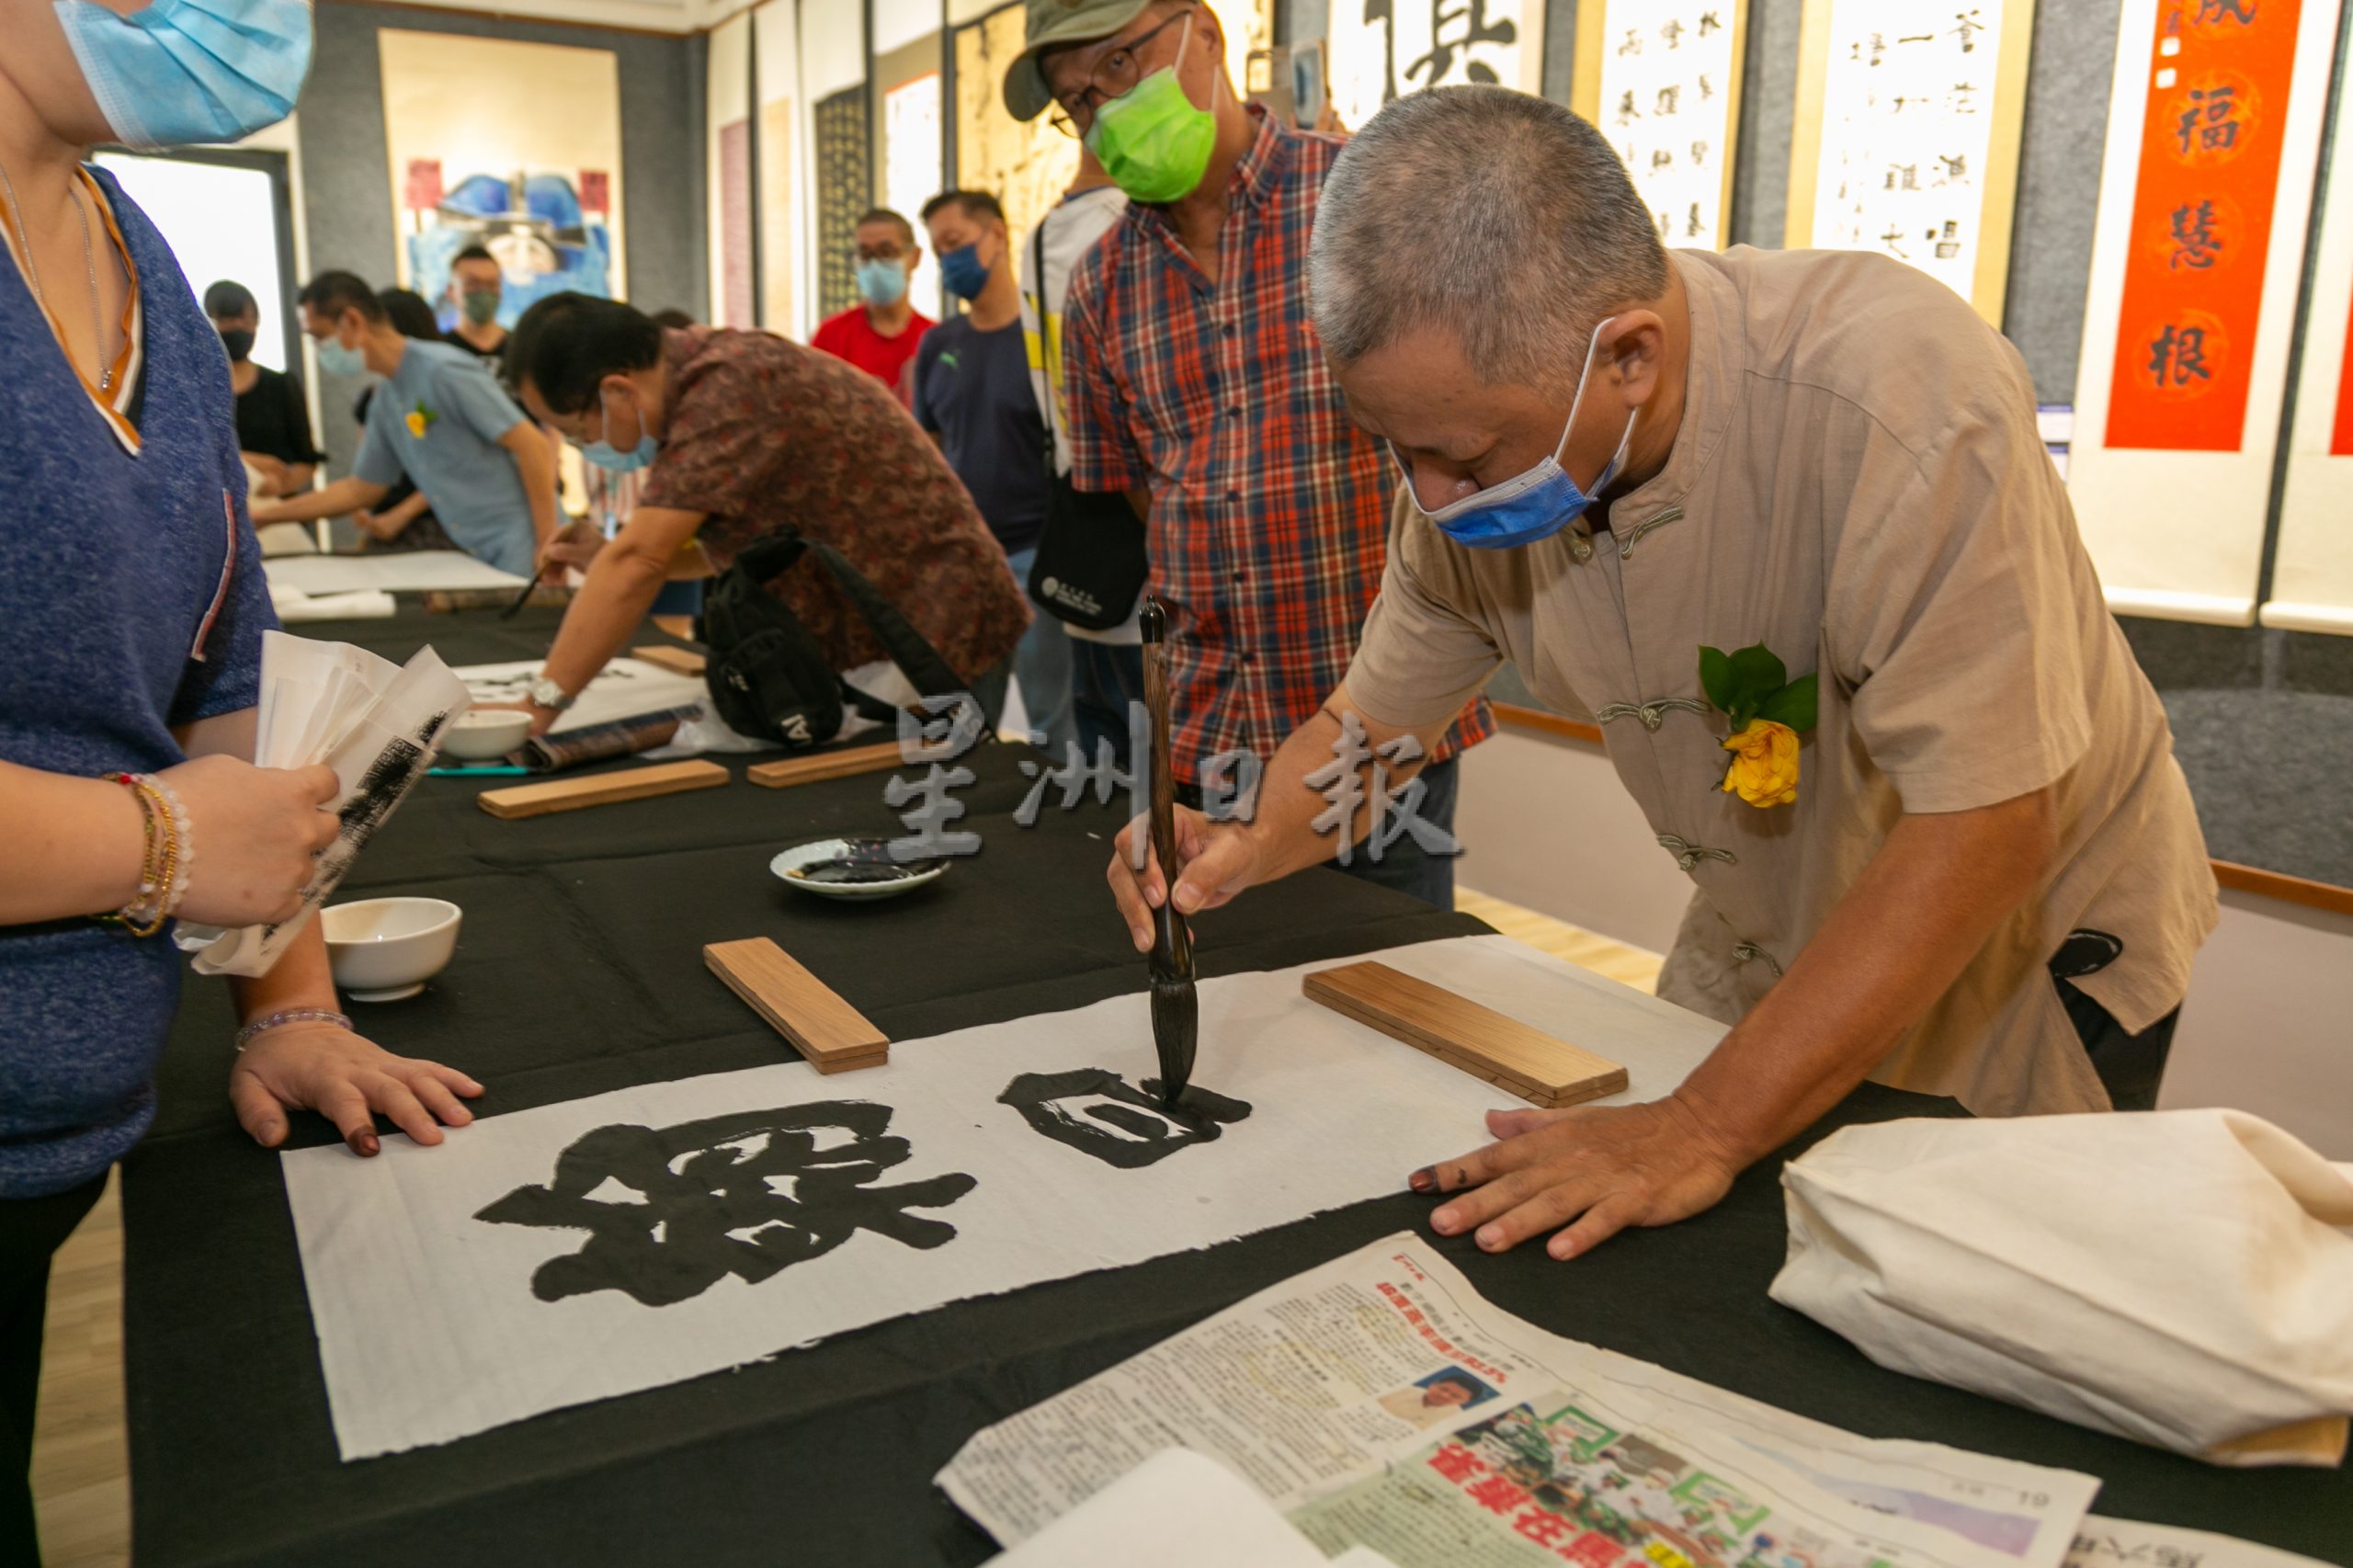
(852, 336)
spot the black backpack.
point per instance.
(770, 680)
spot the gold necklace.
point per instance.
(89, 264)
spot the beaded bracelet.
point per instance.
(291, 1016)
(163, 861)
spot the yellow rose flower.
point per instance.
(417, 423)
(1764, 771)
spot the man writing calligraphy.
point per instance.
(1928, 800)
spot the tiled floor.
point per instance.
(81, 1468)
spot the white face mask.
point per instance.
(1531, 505)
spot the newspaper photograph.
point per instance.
(1379, 1402)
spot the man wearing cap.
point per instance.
(1194, 384)
(1782, 523)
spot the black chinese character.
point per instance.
(2212, 117)
(2178, 354)
(1099, 1113)
(2241, 11)
(2194, 243)
(749, 1193)
(1447, 40)
(1667, 97)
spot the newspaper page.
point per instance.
(1379, 1402)
(2125, 1543)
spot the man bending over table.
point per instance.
(440, 418)
(743, 434)
(1928, 800)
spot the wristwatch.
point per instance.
(546, 694)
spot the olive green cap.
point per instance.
(1055, 24)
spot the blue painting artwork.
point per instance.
(545, 241)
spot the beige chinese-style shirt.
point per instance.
(1857, 484)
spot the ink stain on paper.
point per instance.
(671, 1211)
(1100, 1114)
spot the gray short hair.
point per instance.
(1493, 215)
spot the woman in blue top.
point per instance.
(131, 609)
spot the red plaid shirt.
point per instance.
(1269, 507)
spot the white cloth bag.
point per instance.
(2181, 1278)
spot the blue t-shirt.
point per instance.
(468, 477)
(973, 388)
(131, 599)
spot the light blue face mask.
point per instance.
(184, 70)
(1528, 507)
(881, 282)
(605, 455)
(337, 360)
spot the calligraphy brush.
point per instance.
(512, 611)
(1175, 1008)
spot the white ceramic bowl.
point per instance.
(380, 950)
(484, 734)
(794, 866)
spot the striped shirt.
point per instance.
(1270, 506)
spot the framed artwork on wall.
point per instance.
(509, 145)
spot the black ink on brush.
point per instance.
(1097, 1112)
(1175, 1008)
(671, 1211)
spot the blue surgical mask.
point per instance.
(1532, 505)
(962, 272)
(881, 282)
(337, 360)
(605, 455)
(184, 70)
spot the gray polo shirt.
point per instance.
(470, 480)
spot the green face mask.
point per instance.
(480, 304)
(1151, 140)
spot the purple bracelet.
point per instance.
(291, 1016)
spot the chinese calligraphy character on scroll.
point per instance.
(1380, 49)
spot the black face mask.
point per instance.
(238, 341)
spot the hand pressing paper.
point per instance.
(375, 723)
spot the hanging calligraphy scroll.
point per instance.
(1027, 165)
(1379, 49)
(2214, 131)
(2311, 578)
(776, 87)
(1906, 142)
(1661, 80)
(844, 189)
(733, 293)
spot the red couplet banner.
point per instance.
(2340, 442)
(2219, 73)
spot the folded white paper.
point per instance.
(366, 604)
(1177, 1509)
(375, 723)
(398, 571)
(2181, 1278)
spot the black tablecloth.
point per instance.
(580, 971)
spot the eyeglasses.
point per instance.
(1115, 74)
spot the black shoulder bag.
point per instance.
(1091, 563)
(767, 676)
